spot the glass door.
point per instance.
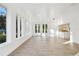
(41, 29)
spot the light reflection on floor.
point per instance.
(46, 46)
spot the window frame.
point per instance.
(6, 41)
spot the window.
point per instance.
(35, 28)
(38, 28)
(46, 28)
(20, 28)
(2, 24)
(43, 28)
(16, 26)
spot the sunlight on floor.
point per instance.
(67, 42)
(77, 54)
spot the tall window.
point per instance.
(16, 26)
(38, 28)
(46, 28)
(35, 28)
(2, 24)
(43, 28)
(20, 27)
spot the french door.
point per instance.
(41, 29)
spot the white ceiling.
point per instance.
(41, 11)
(25, 6)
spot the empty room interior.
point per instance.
(39, 29)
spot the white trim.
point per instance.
(8, 26)
(18, 26)
(3, 44)
(22, 26)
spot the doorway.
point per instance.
(41, 29)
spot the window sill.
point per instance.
(3, 44)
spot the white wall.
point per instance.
(44, 14)
(13, 42)
(71, 15)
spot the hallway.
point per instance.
(42, 46)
